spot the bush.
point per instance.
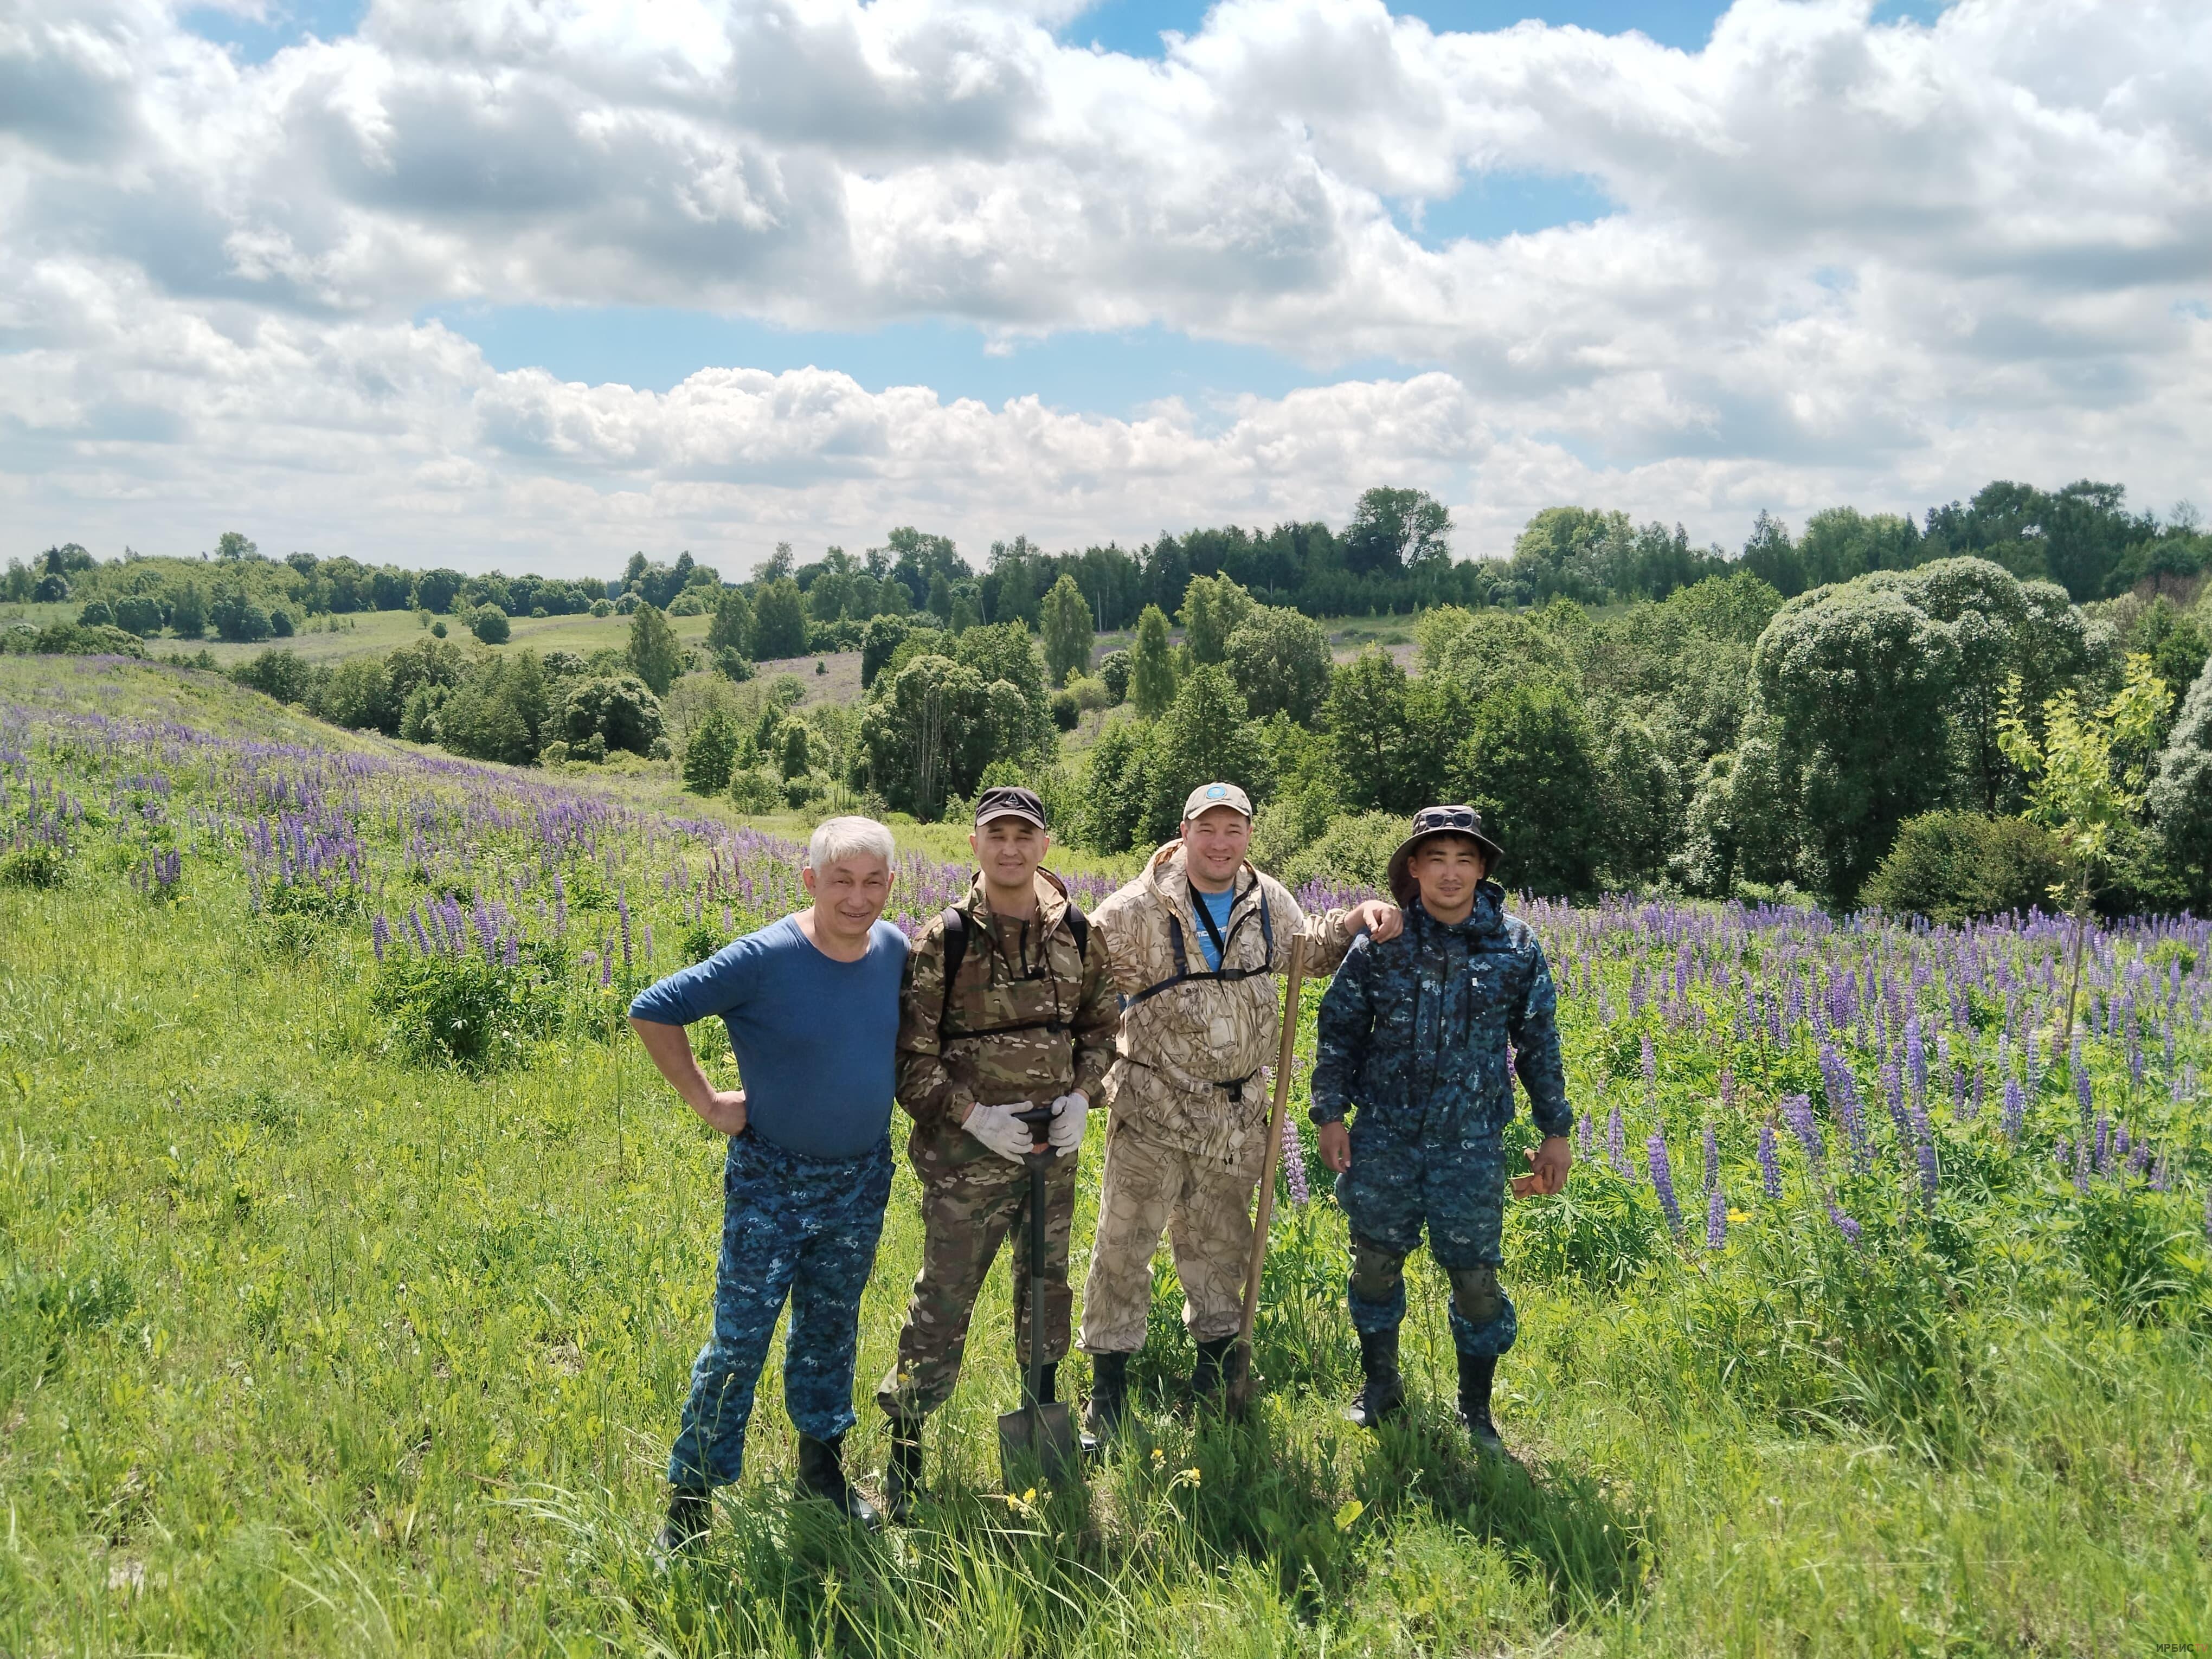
(280, 625)
(41, 864)
(458, 1010)
(438, 629)
(240, 618)
(616, 708)
(752, 790)
(603, 607)
(1066, 710)
(139, 614)
(490, 624)
(96, 614)
(1354, 851)
(708, 755)
(1951, 867)
(1114, 674)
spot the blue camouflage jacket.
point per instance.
(1419, 1025)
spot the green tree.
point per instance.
(1281, 662)
(1851, 686)
(490, 624)
(1113, 796)
(879, 643)
(1151, 666)
(1207, 733)
(233, 546)
(654, 655)
(2180, 798)
(1531, 767)
(927, 733)
(794, 748)
(732, 628)
(1214, 608)
(239, 616)
(620, 709)
(779, 621)
(1365, 720)
(1397, 530)
(2086, 775)
(188, 610)
(1067, 631)
(940, 598)
(1007, 652)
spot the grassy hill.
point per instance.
(316, 1338)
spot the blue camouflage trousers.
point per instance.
(1454, 1183)
(804, 1228)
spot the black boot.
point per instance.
(822, 1474)
(1102, 1413)
(902, 1471)
(690, 1516)
(1213, 1373)
(1383, 1396)
(1476, 1373)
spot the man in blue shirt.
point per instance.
(811, 1005)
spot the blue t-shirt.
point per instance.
(814, 1036)
(1217, 906)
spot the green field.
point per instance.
(310, 1343)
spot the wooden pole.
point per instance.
(1284, 1052)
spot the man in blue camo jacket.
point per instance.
(1415, 1033)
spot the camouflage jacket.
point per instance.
(1418, 1026)
(1063, 1001)
(1179, 1048)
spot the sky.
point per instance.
(532, 283)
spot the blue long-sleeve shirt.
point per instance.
(815, 1038)
(1419, 1025)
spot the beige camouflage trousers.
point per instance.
(1206, 1211)
(971, 1200)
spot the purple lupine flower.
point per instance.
(1981, 1084)
(2083, 1094)
(379, 935)
(622, 910)
(1662, 1180)
(1797, 1111)
(1651, 1070)
(1849, 1228)
(2081, 1168)
(1616, 1143)
(1728, 1088)
(1770, 1164)
(1924, 1147)
(1712, 1160)
(648, 941)
(1915, 1059)
(2159, 1176)
(511, 956)
(1716, 1220)
(2015, 1108)
(1294, 1162)
(1585, 1138)
(2100, 1154)
(606, 969)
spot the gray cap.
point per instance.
(1208, 795)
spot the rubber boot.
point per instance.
(902, 1470)
(691, 1517)
(822, 1474)
(1212, 1374)
(1383, 1396)
(1476, 1373)
(1109, 1405)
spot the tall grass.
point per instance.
(314, 1342)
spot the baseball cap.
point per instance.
(1215, 794)
(1009, 803)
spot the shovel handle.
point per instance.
(1284, 1053)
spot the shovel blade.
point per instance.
(1040, 1439)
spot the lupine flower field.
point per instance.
(352, 1260)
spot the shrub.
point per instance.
(459, 1011)
(438, 629)
(96, 614)
(280, 625)
(40, 864)
(140, 614)
(752, 790)
(1354, 851)
(709, 755)
(1066, 710)
(603, 607)
(1950, 866)
(490, 624)
(616, 708)
(1113, 675)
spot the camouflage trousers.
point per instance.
(1204, 1209)
(971, 1200)
(1450, 1180)
(796, 1227)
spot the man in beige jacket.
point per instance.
(1194, 943)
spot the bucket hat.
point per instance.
(1428, 823)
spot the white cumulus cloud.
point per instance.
(1848, 260)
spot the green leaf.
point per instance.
(1350, 1511)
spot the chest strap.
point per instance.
(1183, 975)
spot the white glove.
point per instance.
(996, 1128)
(1069, 1114)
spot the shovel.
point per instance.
(1041, 1434)
(1241, 1382)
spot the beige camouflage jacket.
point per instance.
(1029, 976)
(1179, 1048)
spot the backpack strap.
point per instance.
(956, 952)
(1182, 974)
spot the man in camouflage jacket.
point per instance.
(1415, 1033)
(1187, 1141)
(1029, 1020)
